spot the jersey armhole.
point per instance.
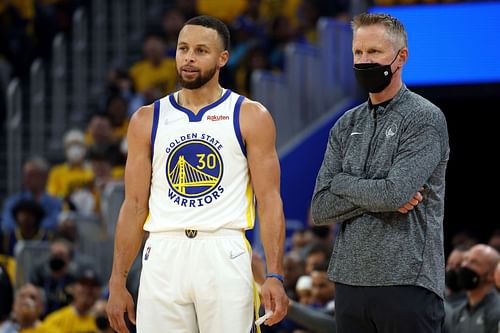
(156, 116)
(236, 123)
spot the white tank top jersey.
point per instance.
(200, 178)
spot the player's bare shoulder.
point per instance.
(141, 123)
(255, 118)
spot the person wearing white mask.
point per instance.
(74, 174)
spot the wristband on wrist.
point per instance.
(276, 276)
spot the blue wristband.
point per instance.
(276, 276)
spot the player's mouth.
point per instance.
(189, 70)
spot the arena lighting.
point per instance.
(450, 43)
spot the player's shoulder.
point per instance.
(253, 109)
(141, 121)
(145, 111)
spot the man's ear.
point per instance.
(403, 56)
(223, 58)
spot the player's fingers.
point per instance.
(131, 311)
(419, 196)
(280, 309)
(117, 321)
(266, 299)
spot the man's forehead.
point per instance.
(197, 34)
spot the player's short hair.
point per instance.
(213, 23)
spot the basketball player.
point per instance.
(188, 184)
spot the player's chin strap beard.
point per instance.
(218, 97)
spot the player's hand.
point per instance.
(274, 299)
(120, 302)
(417, 198)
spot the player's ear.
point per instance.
(223, 58)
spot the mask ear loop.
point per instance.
(397, 54)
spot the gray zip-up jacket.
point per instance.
(375, 162)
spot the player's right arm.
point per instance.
(133, 213)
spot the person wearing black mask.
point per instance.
(481, 312)
(454, 295)
(383, 180)
(55, 274)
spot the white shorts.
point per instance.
(202, 284)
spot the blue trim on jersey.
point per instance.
(236, 123)
(198, 117)
(156, 117)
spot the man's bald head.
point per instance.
(482, 258)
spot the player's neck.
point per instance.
(195, 99)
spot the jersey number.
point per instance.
(206, 161)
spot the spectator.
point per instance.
(301, 240)
(55, 274)
(304, 290)
(100, 137)
(481, 312)
(116, 109)
(322, 290)
(155, 75)
(35, 172)
(67, 227)
(28, 216)
(74, 173)
(318, 253)
(294, 267)
(27, 310)
(318, 316)
(120, 83)
(454, 295)
(78, 316)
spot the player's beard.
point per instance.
(199, 81)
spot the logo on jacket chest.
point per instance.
(194, 171)
(391, 130)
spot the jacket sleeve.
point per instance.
(419, 153)
(328, 207)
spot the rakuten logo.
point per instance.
(217, 118)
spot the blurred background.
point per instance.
(72, 72)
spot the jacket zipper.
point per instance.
(368, 155)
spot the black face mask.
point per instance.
(374, 77)
(467, 278)
(56, 264)
(451, 280)
(101, 322)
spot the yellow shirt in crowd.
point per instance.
(64, 179)
(146, 76)
(68, 321)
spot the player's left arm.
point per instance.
(259, 134)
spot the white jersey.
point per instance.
(200, 178)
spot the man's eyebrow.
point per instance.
(197, 45)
